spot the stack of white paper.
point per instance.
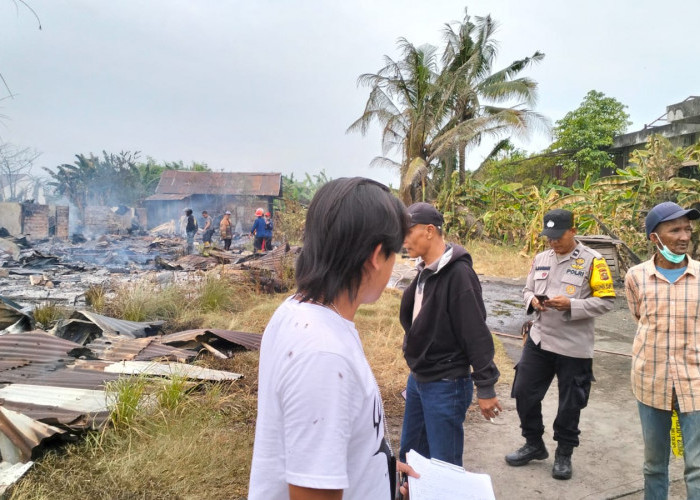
(442, 481)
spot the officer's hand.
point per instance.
(560, 303)
(537, 305)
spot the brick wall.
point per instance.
(35, 221)
(62, 214)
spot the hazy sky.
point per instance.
(263, 85)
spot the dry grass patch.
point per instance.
(48, 313)
(498, 260)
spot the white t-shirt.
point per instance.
(320, 423)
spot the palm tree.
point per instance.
(404, 102)
(476, 94)
(432, 113)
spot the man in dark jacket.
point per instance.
(191, 230)
(443, 315)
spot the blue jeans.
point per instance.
(656, 426)
(432, 421)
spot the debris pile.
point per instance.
(52, 384)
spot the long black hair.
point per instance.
(347, 219)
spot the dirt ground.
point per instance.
(608, 463)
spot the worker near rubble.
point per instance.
(663, 294)
(321, 428)
(267, 235)
(226, 230)
(447, 345)
(568, 286)
(191, 230)
(258, 231)
(208, 230)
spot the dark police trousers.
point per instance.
(533, 375)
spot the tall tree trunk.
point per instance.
(462, 163)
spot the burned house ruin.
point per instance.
(36, 222)
(240, 193)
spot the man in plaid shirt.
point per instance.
(663, 294)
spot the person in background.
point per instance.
(267, 242)
(208, 230)
(321, 428)
(663, 295)
(444, 319)
(568, 287)
(191, 230)
(258, 231)
(181, 229)
(226, 230)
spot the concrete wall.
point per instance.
(688, 110)
(102, 220)
(11, 217)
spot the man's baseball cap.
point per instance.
(556, 223)
(424, 213)
(227, 212)
(667, 211)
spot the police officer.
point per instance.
(567, 287)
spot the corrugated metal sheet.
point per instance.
(37, 347)
(11, 473)
(118, 349)
(274, 260)
(59, 416)
(143, 349)
(167, 197)
(59, 375)
(159, 351)
(12, 318)
(79, 400)
(120, 327)
(219, 183)
(170, 369)
(250, 341)
(21, 435)
(12, 364)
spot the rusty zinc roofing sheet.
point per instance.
(250, 341)
(54, 415)
(23, 435)
(39, 347)
(44, 374)
(143, 349)
(220, 183)
(167, 197)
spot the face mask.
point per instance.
(668, 254)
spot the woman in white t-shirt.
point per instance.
(320, 431)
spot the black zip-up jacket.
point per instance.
(449, 334)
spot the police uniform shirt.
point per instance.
(584, 277)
